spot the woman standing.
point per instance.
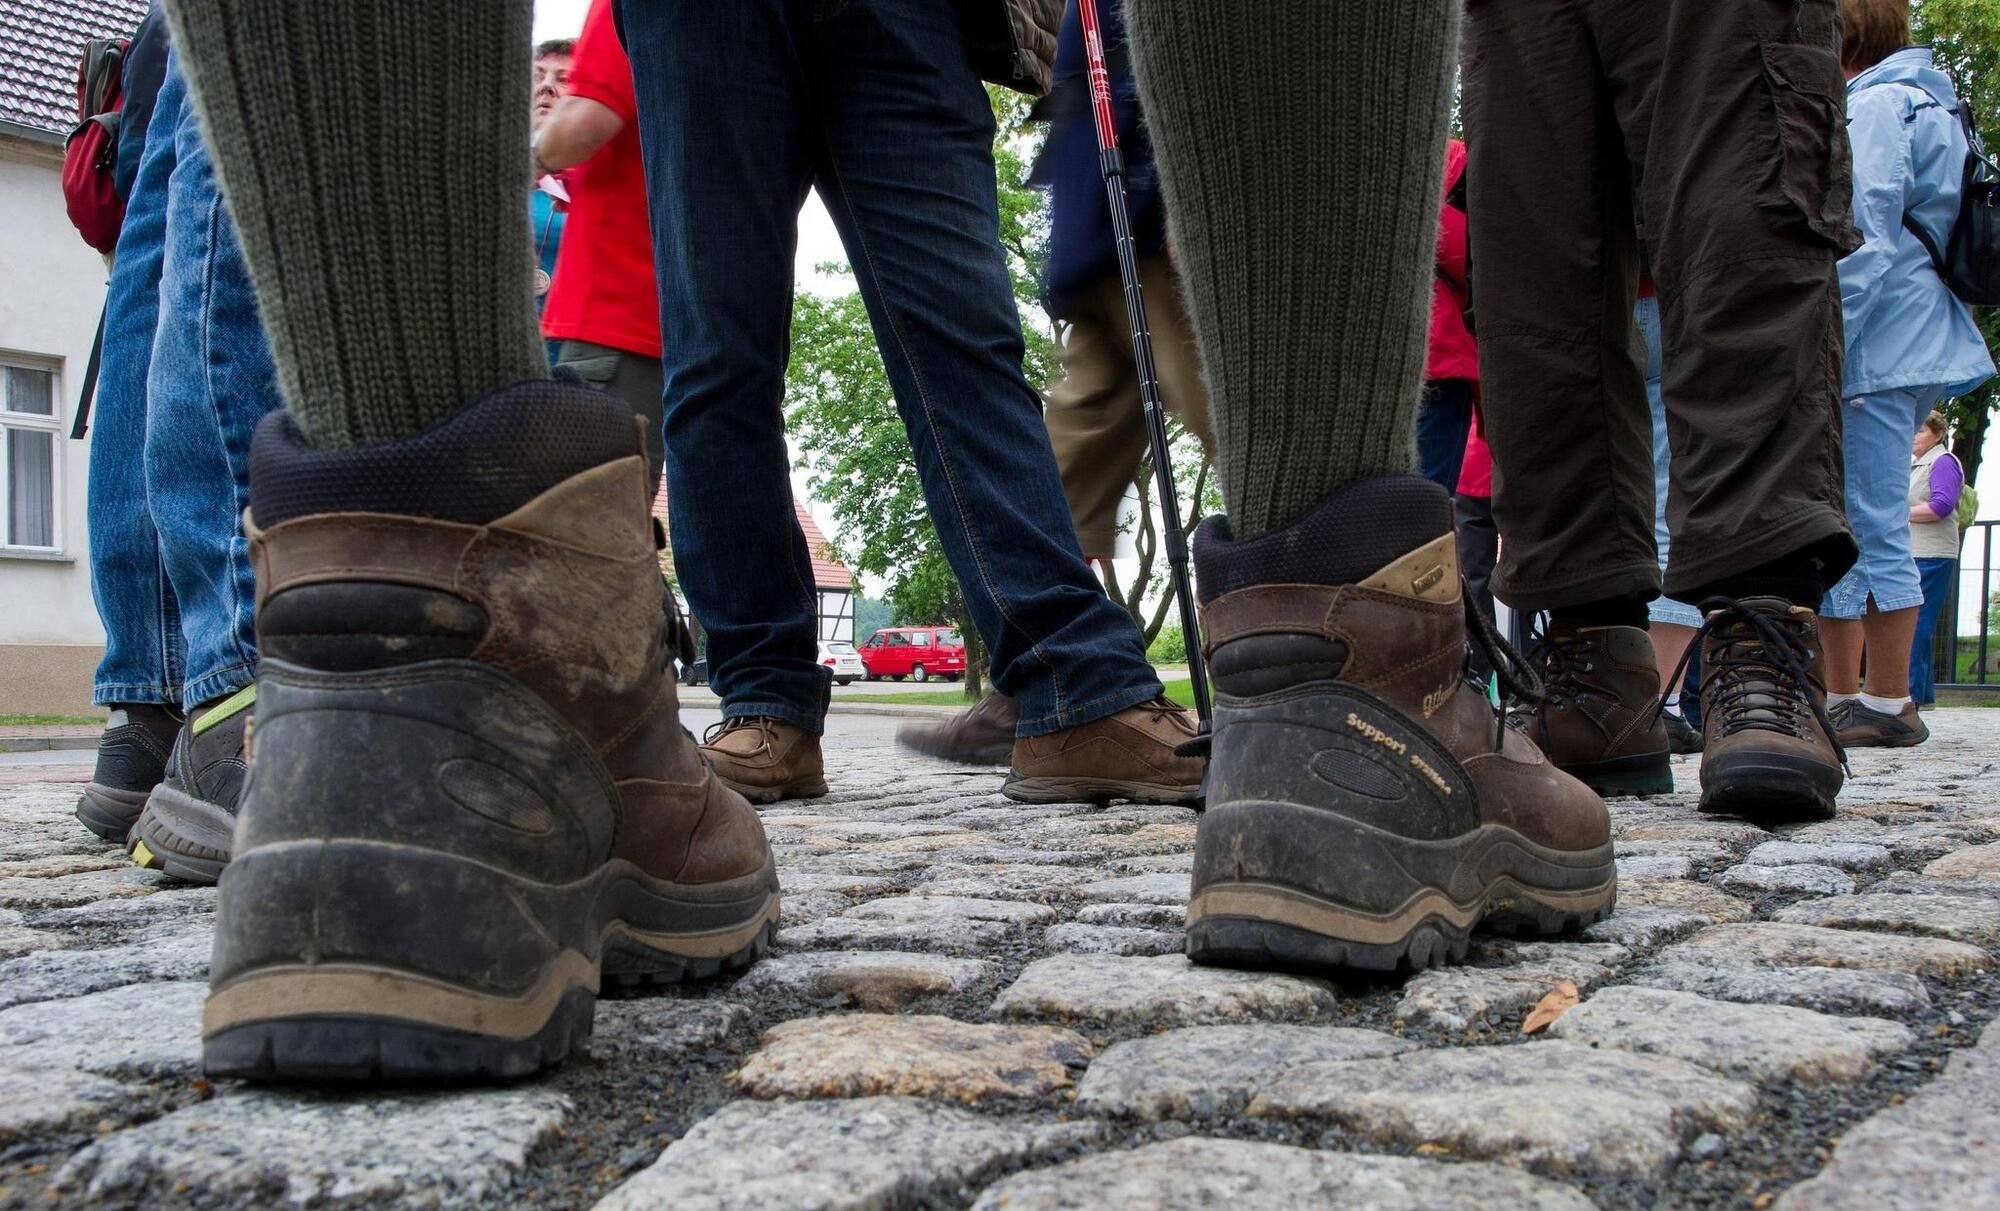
(1911, 343)
(1936, 482)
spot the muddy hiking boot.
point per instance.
(189, 824)
(1769, 752)
(1683, 739)
(765, 759)
(1367, 807)
(982, 734)
(131, 760)
(1859, 725)
(1141, 755)
(472, 800)
(1600, 719)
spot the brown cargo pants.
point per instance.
(1714, 131)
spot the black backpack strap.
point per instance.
(1924, 237)
(89, 393)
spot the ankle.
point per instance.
(1887, 706)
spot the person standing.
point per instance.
(1451, 371)
(1911, 343)
(1936, 484)
(549, 203)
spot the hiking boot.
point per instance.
(188, 828)
(1134, 755)
(472, 800)
(979, 735)
(131, 760)
(1682, 737)
(1600, 719)
(1768, 747)
(1859, 725)
(765, 759)
(1367, 807)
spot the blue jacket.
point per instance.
(1905, 328)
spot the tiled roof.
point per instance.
(40, 42)
(828, 572)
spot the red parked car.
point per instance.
(919, 653)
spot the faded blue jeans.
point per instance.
(186, 376)
(743, 107)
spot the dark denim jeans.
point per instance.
(187, 374)
(743, 107)
(1444, 416)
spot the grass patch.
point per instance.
(49, 720)
(1180, 691)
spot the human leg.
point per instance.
(1334, 613)
(1443, 413)
(1937, 576)
(632, 377)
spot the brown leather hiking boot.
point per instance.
(1599, 719)
(1130, 755)
(1367, 807)
(1858, 725)
(982, 734)
(1768, 747)
(765, 759)
(471, 799)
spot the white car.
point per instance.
(840, 656)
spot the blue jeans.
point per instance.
(743, 107)
(187, 374)
(1444, 413)
(1936, 576)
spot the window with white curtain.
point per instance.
(30, 437)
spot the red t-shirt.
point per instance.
(604, 290)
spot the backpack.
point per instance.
(90, 153)
(1969, 262)
(1968, 502)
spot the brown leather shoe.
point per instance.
(1862, 726)
(472, 798)
(1366, 805)
(1599, 719)
(1768, 748)
(982, 734)
(765, 759)
(1130, 755)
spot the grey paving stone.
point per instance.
(1185, 1174)
(1962, 918)
(1791, 945)
(807, 907)
(947, 934)
(1809, 878)
(1845, 855)
(1134, 916)
(1153, 863)
(136, 912)
(144, 1030)
(32, 892)
(1756, 1042)
(1162, 888)
(869, 1154)
(1684, 895)
(18, 940)
(1977, 863)
(659, 1027)
(1939, 1148)
(1684, 828)
(1200, 1072)
(1827, 989)
(1555, 1108)
(870, 1054)
(256, 1147)
(38, 1100)
(1167, 990)
(1073, 938)
(1005, 880)
(1645, 928)
(877, 980)
(1905, 842)
(176, 953)
(1654, 866)
(1453, 999)
(55, 866)
(923, 908)
(1702, 853)
(803, 882)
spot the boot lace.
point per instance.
(717, 731)
(1761, 671)
(1521, 687)
(1562, 659)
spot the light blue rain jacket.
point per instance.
(1905, 328)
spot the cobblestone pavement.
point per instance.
(978, 1003)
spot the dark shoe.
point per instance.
(131, 760)
(765, 760)
(980, 735)
(1861, 726)
(1768, 747)
(472, 799)
(1366, 805)
(189, 826)
(1600, 719)
(1682, 737)
(1131, 755)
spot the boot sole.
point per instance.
(1634, 776)
(1768, 788)
(187, 838)
(803, 788)
(1001, 753)
(1098, 790)
(1898, 741)
(109, 812)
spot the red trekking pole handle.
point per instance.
(1100, 77)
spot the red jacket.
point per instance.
(1453, 352)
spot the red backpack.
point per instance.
(90, 154)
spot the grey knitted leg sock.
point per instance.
(375, 157)
(1301, 148)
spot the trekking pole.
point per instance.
(1113, 162)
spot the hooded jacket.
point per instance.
(1013, 42)
(1905, 328)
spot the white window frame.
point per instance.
(51, 424)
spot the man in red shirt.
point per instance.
(603, 313)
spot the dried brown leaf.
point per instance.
(1554, 1003)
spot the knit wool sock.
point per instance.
(1301, 150)
(375, 158)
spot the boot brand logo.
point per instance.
(1397, 747)
(1422, 584)
(1436, 699)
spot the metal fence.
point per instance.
(1965, 652)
